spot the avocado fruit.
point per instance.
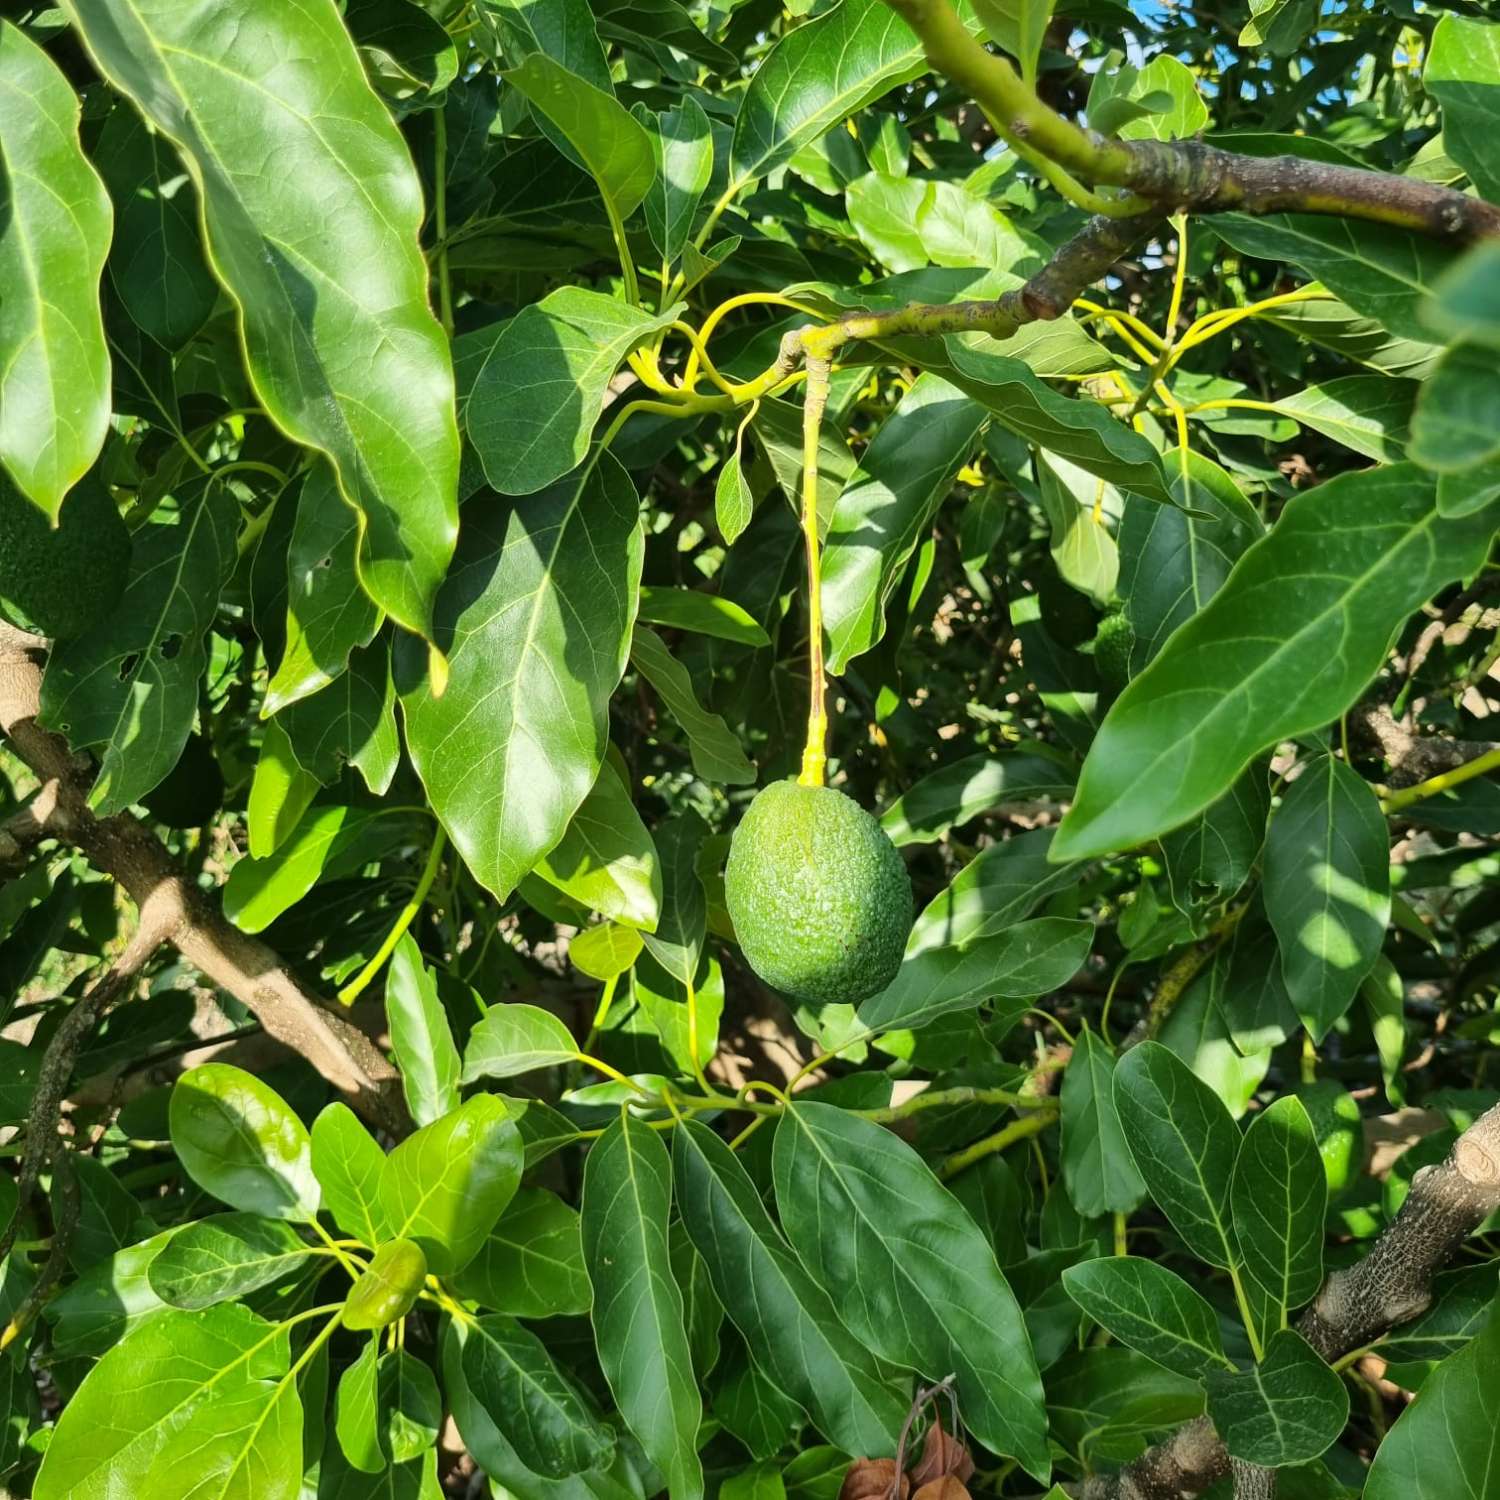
(1112, 646)
(820, 899)
(59, 581)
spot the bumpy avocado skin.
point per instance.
(820, 899)
(60, 582)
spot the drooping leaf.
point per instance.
(54, 366)
(776, 1305)
(677, 943)
(1184, 1144)
(637, 1313)
(421, 1040)
(949, 797)
(356, 367)
(535, 620)
(1216, 695)
(1327, 888)
(1287, 1409)
(128, 687)
(915, 1277)
(703, 613)
(1152, 1309)
(355, 1412)
(716, 752)
(1098, 1169)
(351, 722)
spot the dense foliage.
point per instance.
(474, 430)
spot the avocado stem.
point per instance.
(814, 402)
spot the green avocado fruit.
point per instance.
(1112, 645)
(58, 582)
(820, 899)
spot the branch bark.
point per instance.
(172, 907)
(1390, 1285)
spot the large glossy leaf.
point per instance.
(511, 1376)
(181, 1376)
(887, 505)
(1446, 1444)
(1457, 423)
(606, 860)
(1382, 272)
(781, 1311)
(1462, 73)
(638, 1313)
(1175, 558)
(238, 1139)
(716, 751)
(998, 888)
(421, 1040)
(128, 687)
(1287, 1409)
(1369, 414)
(684, 151)
(915, 1277)
(54, 366)
(538, 393)
(348, 1163)
(351, 722)
(1328, 889)
(1097, 1167)
(531, 1264)
(535, 620)
(562, 30)
(1152, 1309)
(354, 365)
(951, 796)
(514, 1039)
(816, 75)
(1279, 1198)
(1287, 643)
(223, 1256)
(445, 1186)
(1019, 962)
(1184, 1143)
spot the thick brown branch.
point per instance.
(171, 905)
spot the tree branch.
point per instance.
(1186, 174)
(173, 908)
(1390, 1285)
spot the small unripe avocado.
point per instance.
(820, 899)
(1113, 643)
(60, 581)
(388, 1286)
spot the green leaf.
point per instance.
(1465, 302)
(1384, 994)
(562, 30)
(409, 1410)
(1184, 1143)
(1211, 857)
(182, 1377)
(128, 687)
(327, 615)
(1081, 431)
(884, 212)
(357, 368)
(684, 152)
(1104, 1401)
(638, 1313)
(1018, 962)
(605, 859)
(995, 890)
(407, 52)
(531, 1264)
(156, 262)
(677, 943)
(535, 620)
(1279, 1198)
(351, 722)
(355, 1411)
(223, 1256)
(279, 794)
(535, 399)
(1150, 1308)
(514, 1039)
(1384, 273)
(1455, 426)
(606, 951)
(781, 1311)
(705, 614)
(1097, 1167)
(1369, 414)
(1462, 73)
(1447, 1442)
(1018, 26)
(1327, 888)
(888, 504)
(1294, 609)
(421, 1041)
(1075, 505)
(1280, 25)
(716, 752)
(916, 1278)
(54, 365)
(237, 1139)
(949, 797)
(817, 75)
(512, 1378)
(734, 502)
(1286, 1410)
(445, 1186)
(608, 140)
